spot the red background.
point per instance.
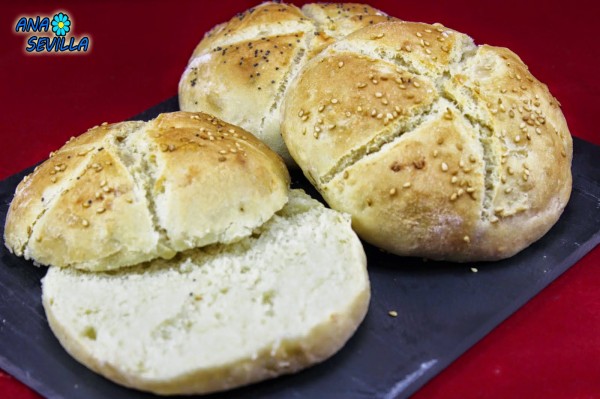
(548, 349)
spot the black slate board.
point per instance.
(443, 309)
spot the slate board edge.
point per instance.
(471, 340)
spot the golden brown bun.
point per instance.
(241, 69)
(125, 193)
(436, 147)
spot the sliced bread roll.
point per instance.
(220, 317)
(125, 193)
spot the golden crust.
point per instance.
(129, 192)
(242, 26)
(343, 124)
(37, 190)
(251, 76)
(234, 181)
(493, 146)
(240, 71)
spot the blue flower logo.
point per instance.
(61, 24)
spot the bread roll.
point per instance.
(216, 318)
(437, 147)
(241, 69)
(125, 193)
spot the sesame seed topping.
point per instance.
(453, 197)
(474, 270)
(300, 113)
(100, 210)
(393, 313)
(317, 129)
(340, 64)
(406, 185)
(435, 153)
(419, 34)
(378, 94)
(466, 239)
(472, 158)
(85, 223)
(334, 100)
(379, 115)
(53, 179)
(454, 180)
(321, 108)
(392, 191)
(493, 219)
(444, 167)
(460, 192)
(416, 84)
(361, 85)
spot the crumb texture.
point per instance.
(223, 316)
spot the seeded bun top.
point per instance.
(241, 69)
(437, 147)
(125, 193)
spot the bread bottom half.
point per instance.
(223, 316)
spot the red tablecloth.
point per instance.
(548, 349)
